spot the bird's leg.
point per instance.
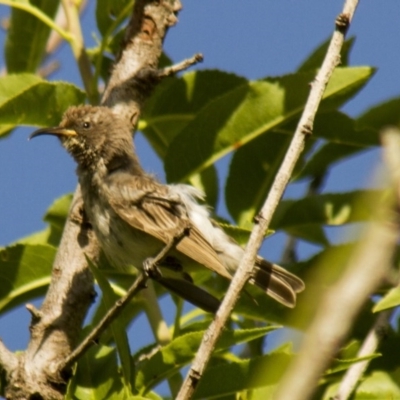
(150, 265)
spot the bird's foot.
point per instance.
(151, 269)
(150, 265)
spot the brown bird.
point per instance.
(134, 216)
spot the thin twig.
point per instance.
(112, 313)
(185, 64)
(369, 346)
(243, 273)
(71, 10)
(152, 262)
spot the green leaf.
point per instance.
(378, 385)
(207, 181)
(5, 130)
(170, 358)
(231, 378)
(314, 61)
(20, 95)
(337, 127)
(386, 113)
(325, 157)
(27, 37)
(344, 84)
(253, 167)
(344, 365)
(313, 233)
(246, 112)
(328, 209)
(24, 272)
(176, 102)
(97, 376)
(241, 235)
(120, 337)
(108, 11)
(57, 213)
(389, 300)
(14, 85)
(41, 237)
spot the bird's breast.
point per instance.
(123, 245)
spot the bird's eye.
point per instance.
(86, 125)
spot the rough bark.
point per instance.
(55, 328)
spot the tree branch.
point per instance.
(71, 10)
(56, 327)
(8, 360)
(112, 313)
(304, 128)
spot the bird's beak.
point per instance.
(56, 131)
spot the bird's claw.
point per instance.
(151, 269)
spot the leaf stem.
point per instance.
(40, 15)
(71, 10)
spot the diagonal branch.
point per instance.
(243, 273)
(113, 312)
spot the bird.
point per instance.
(134, 216)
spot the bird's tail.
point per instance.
(278, 283)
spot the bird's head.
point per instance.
(91, 133)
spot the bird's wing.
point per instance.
(148, 206)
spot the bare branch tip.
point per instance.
(181, 66)
(36, 314)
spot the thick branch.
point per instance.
(8, 360)
(243, 273)
(54, 333)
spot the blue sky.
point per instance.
(254, 38)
